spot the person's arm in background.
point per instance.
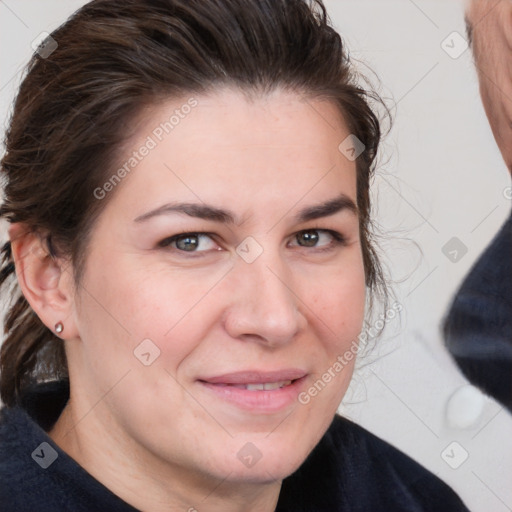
(478, 327)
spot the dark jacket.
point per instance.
(350, 470)
(478, 327)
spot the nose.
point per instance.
(264, 306)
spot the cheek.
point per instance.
(138, 303)
(341, 309)
(339, 304)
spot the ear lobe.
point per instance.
(44, 280)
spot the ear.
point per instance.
(46, 281)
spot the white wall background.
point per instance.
(441, 177)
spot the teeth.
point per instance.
(267, 386)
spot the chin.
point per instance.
(263, 461)
(263, 472)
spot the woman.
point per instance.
(187, 187)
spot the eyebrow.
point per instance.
(469, 30)
(209, 212)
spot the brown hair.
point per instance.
(112, 58)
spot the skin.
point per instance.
(490, 25)
(153, 434)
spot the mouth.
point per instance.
(261, 386)
(262, 392)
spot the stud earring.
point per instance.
(59, 327)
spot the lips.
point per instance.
(257, 391)
(256, 377)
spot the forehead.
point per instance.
(267, 120)
(240, 150)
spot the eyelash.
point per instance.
(338, 240)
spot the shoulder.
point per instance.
(396, 478)
(17, 443)
(26, 451)
(35, 474)
(26, 457)
(353, 470)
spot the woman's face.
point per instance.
(178, 336)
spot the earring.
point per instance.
(59, 327)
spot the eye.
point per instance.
(189, 242)
(314, 237)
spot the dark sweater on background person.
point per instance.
(478, 327)
(350, 470)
